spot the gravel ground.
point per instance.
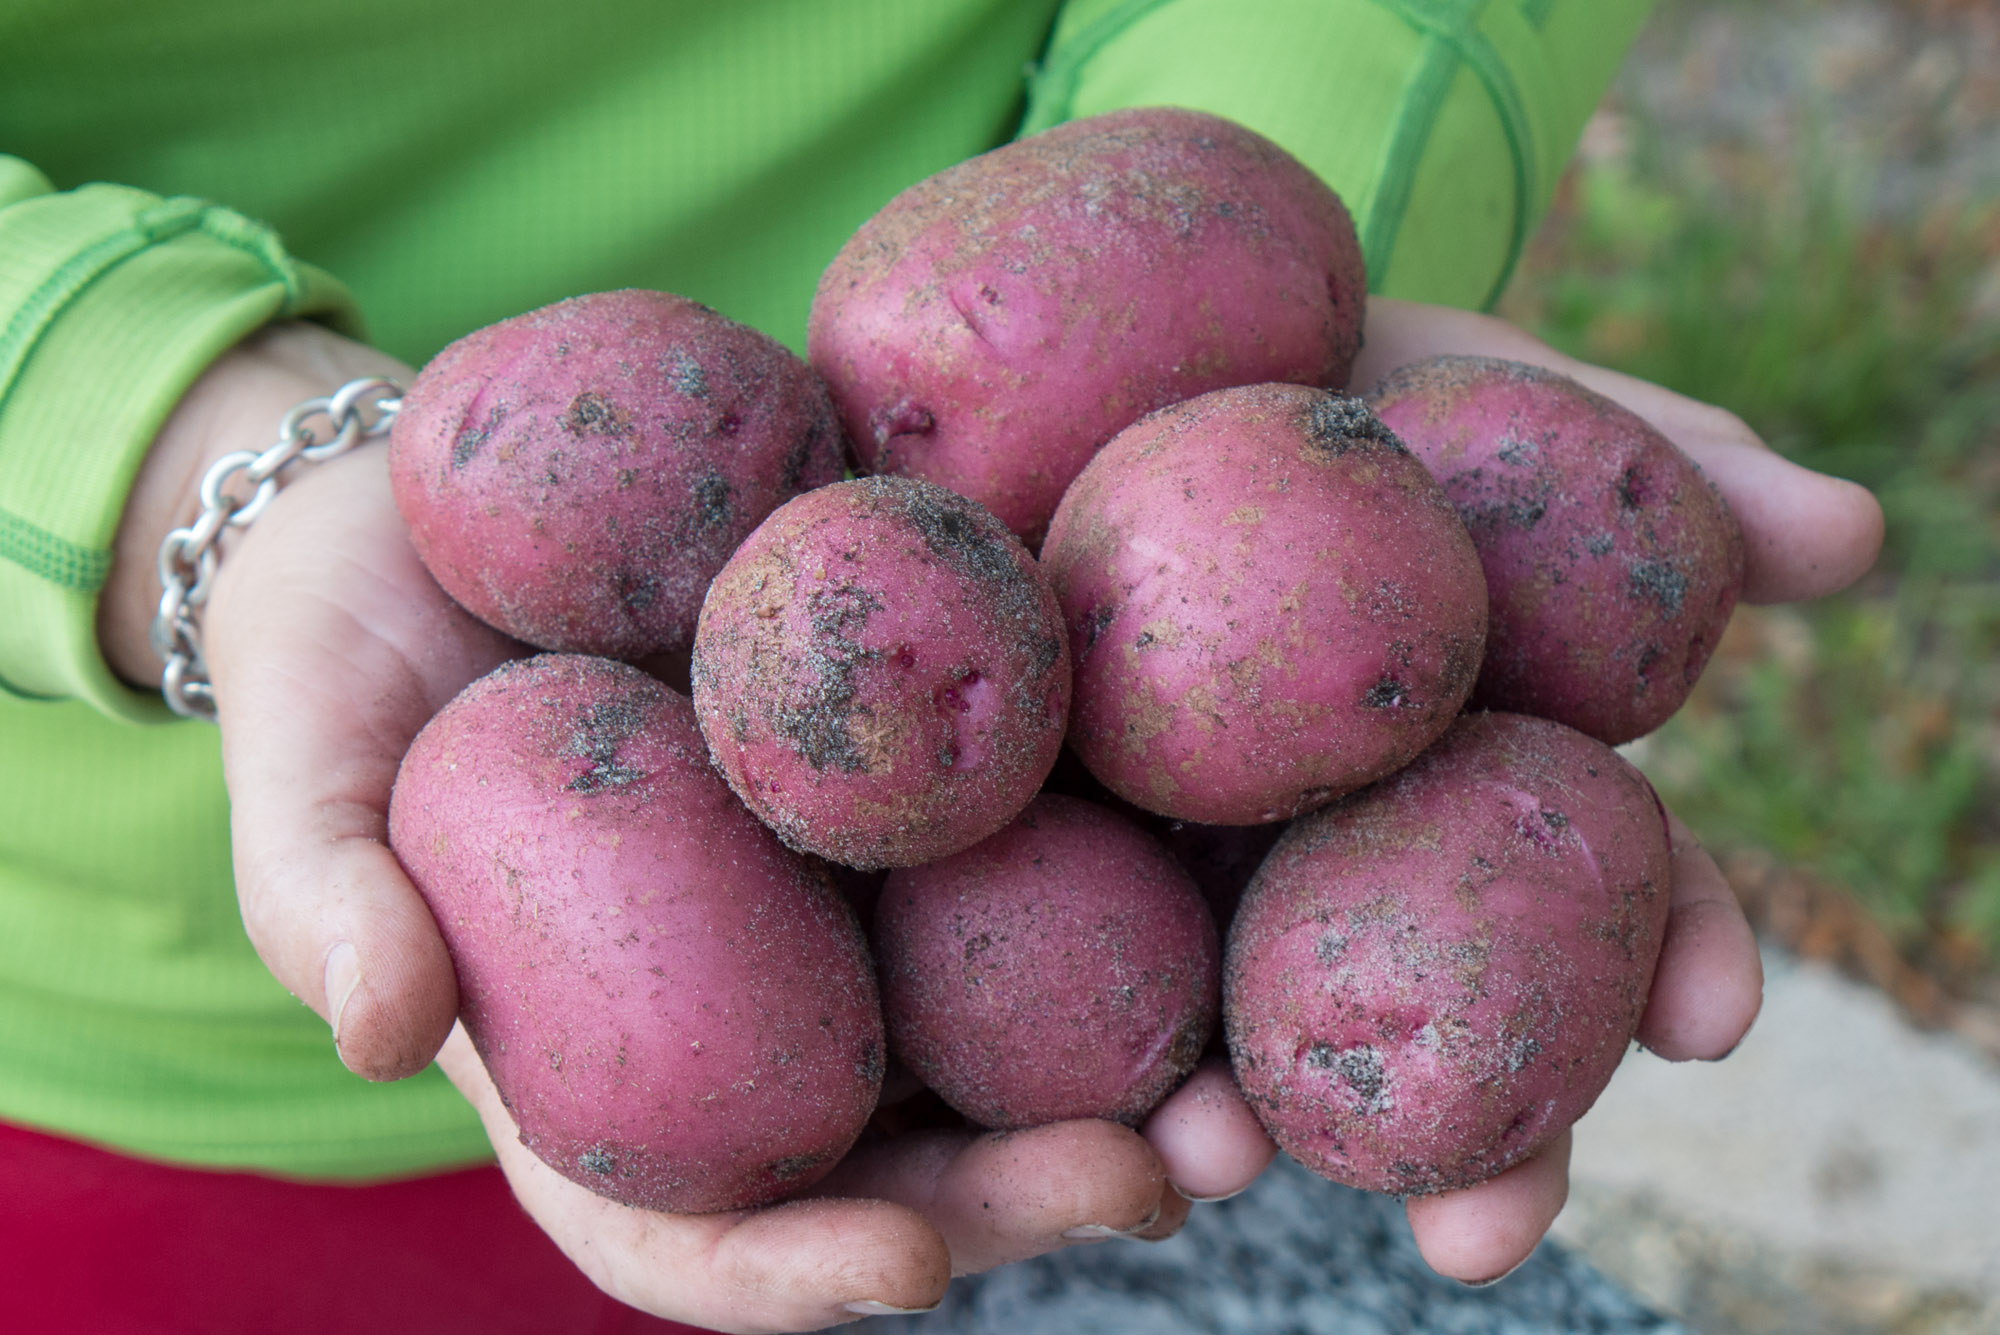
(1294, 1255)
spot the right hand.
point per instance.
(329, 646)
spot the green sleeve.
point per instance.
(1443, 124)
(112, 302)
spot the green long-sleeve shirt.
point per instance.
(414, 170)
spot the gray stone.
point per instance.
(1294, 1255)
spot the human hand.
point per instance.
(329, 647)
(900, 1215)
(1805, 535)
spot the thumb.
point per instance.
(329, 647)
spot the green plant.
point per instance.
(1857, 737)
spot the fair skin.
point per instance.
(330, 647)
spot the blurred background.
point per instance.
(1791, 208)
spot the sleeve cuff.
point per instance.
(112, 302)
(1443, 126)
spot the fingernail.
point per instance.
(1210, 1200)
(343, 975)
(1489, 1283)
(1098, 1232)
(1725, 1056)
(868, 1307)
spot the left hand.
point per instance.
(1805, 535)
(1706, 992)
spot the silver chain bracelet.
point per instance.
(188, 556)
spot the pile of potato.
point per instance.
(1113, 498)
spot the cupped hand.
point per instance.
(902, 1213)
(909, 1207)
(1805, 535)
(329, 647)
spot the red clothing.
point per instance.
(94, 1243)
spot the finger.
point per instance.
(1709, 983)
(1400, 332)
(1007, 1196)
(1482, 1233)
(802, 1265)
(1805, 534)
(330, 647)
(1174, 1211)
(1208, 1139)
(1018, 1194)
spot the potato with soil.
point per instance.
(678, 1012)
(1065, 967)
(1611, 563)
(881, 673)
(576, 475)
(994, 325)
(1270, 602)
(1428, 982)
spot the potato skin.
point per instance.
(679, 1014)
(881, 673)
(1065, 967)
(576, 475)
(1611, 563)
(1429, 981)
(1271, 604)
(995, 324)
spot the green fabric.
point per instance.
(1443, 124)
(132, 1010)
(108, 279)
(454, 163)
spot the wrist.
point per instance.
(235, 405)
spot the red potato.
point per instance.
(679, 1014)
(1611, 563)
(576, 475)
(1430, 981)
(881, 673)
(994, 325)
(1221, 859)
(1270, 601)
(1065, 967)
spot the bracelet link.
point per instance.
(189, 556)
